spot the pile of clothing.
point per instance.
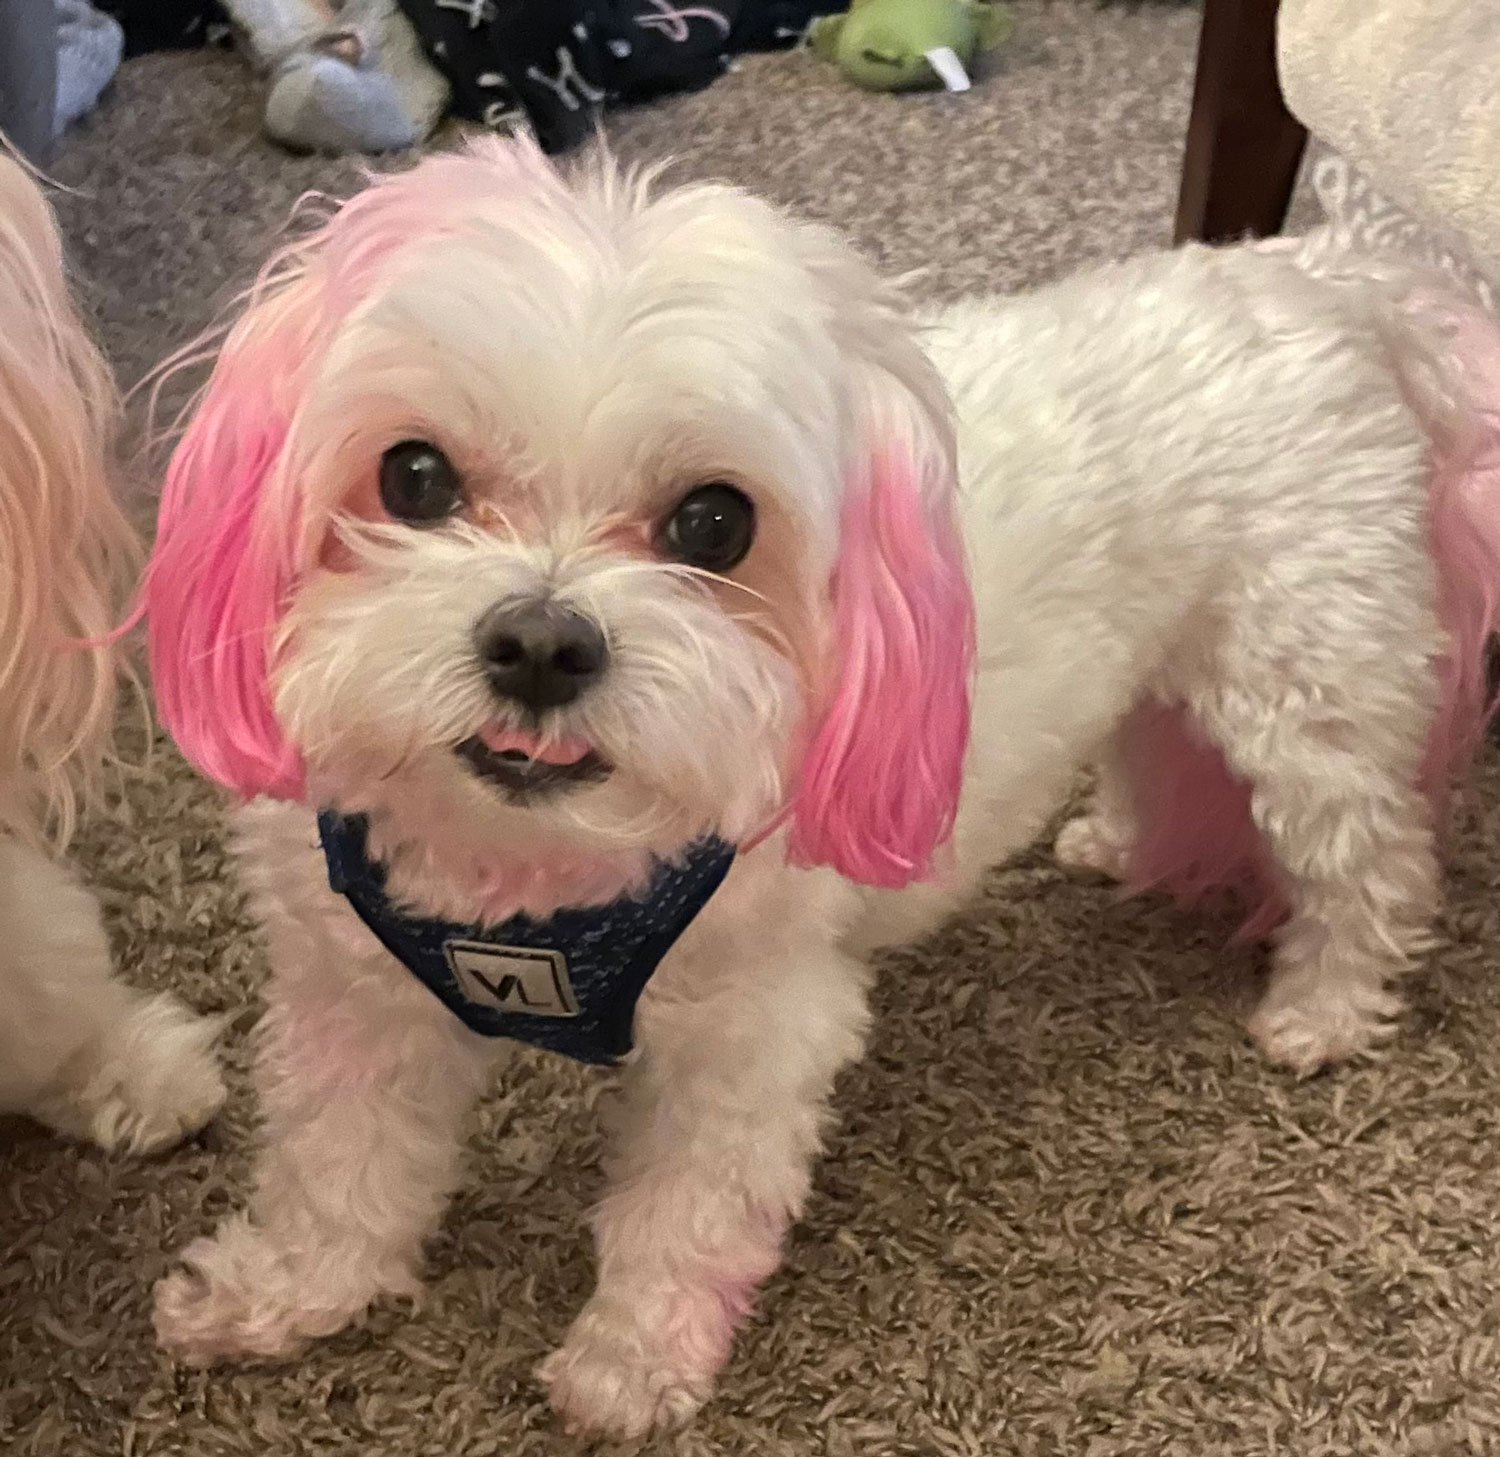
(377, 75)
(558, 60)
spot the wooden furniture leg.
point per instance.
(1243, 145)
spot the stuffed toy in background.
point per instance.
(346, 75)
(89, 47)
(908, 45)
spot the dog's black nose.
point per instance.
(540, 654)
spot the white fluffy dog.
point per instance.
(541, 529)
(78, 1050)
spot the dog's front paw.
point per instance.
(155, 1080)
(242, 1296)
(1092, 842)
(1306, 1027)
(233, 1298)
(613, 1377)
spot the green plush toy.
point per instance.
(903, 45)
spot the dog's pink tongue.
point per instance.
(545, 750)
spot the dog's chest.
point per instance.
(568, 982)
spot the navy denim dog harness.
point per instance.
(568, 983)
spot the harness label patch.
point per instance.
(512, 978)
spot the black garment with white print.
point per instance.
(551, 64)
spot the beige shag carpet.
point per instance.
(1067, 1211)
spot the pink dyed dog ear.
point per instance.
(881, 779)
(230, 522)
(222, 564)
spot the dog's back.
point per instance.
(1170, 434)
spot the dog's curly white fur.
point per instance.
(78, 1050)
(1199, 477)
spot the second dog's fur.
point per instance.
(79, 1050)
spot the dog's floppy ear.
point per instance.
(881, 776)
(224, 555)
(233, 531)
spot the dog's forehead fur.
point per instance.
(596, 329)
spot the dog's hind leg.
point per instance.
(1103, 836)
(1333, 794)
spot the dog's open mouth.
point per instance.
(524, 763)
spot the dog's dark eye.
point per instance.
(418, 483)
(711, 528)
